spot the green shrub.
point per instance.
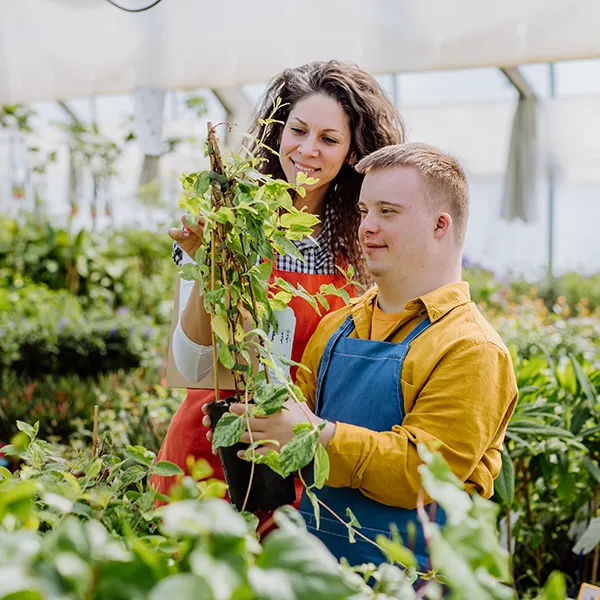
(46, 332)
(134, 408)
(114, 268)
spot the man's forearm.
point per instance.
(195, 321)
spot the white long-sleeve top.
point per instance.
(192, 360)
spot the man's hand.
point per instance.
(278, 427)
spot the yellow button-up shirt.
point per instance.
(459, 391)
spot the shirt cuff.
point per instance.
(350, 451)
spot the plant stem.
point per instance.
(597, 549)
(95, 444)
(255, 309)
(231, 321)
(508, 546)
(213, 269)
(252, 466)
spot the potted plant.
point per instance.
(249, 217)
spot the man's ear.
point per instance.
(442, 225)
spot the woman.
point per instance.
(332, 115)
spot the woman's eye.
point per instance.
(296, 130)
(330, 140)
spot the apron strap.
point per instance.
(417, 331)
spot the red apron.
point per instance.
(186, 435)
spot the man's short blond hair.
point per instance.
(443, 174)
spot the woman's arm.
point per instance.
(192, 338)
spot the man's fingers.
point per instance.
(237, 409)
(206, 422)
(256, 437)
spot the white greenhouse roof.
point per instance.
(59, 49)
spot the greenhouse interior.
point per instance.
(146, 215)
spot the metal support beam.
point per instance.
(238, 108)
(519, 82)
(551, 186)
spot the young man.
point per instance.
(411, 361)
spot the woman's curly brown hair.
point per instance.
(374, 123)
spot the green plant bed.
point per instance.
(78, 526)
(47, 332)
(135, 409)
(122, 267)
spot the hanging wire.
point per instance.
(134, 10)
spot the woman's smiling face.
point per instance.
(315, 140)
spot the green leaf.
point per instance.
(323, 301)
(164, 468)
(251, 519)
(353, 520)
(284, 199)
(132, 475)
(220, 327)
(225, 357)
(584, 382)
(17, 582)
(300, 177)
(213, 488)
(321, 467)
(288, 518)
(183, 586)
(140, 455)
(331, 290)
(280, 300)
(556, 587)
(299, 218)
(202, 183)
(297, 566)
(27, 429)
(14, 495)
(228, 431)
(73, 482)
(189, 272)
(299, 451)
(316, 506)
(504, 485)
(396, 552)
(285, 246)
(94, 469)
(259, 238)
(271, 458)
(225, 215)
(60, 503)
(190, 518)
(201, 469)
(5, 473)
(270, 398)
(592, 467)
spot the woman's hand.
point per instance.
(190, 238)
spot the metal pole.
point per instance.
(551, 185)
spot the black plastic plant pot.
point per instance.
(269, 490)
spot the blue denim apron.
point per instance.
(359, 384)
